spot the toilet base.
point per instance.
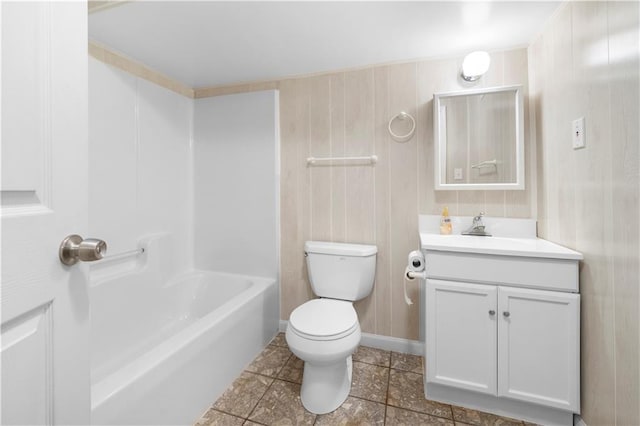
(325, 387)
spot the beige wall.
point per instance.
(346, 113)
(585, 63)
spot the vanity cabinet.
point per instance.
(509, 342)
(501, 320)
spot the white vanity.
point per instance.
(502, 317)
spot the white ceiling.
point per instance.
(215, 43)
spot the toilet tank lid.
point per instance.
(340, 249)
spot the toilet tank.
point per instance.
(339, 270)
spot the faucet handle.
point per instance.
(478, 218)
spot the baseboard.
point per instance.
(387, 343)
(577, 420)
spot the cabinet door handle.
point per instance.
(506, 314)
(492, 312)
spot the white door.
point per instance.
(461, 335)
(45, 310)
(538, 350)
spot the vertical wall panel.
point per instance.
(360, 179)
(403, 189)
(289, 129)
(624, 37)
(294, 194)
(338, 174)
(320, 146)
(383, 205)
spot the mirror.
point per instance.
(479, 139)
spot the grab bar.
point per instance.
(487, 163)
(123, 255)
(373, 159)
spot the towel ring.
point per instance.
(402, 116)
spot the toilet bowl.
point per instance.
(325, 348)
(325, 332)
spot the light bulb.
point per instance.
(475, 64)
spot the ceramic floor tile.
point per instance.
(243, 394)
(401, 417)
(406, 362)
(369, 382)
(270, 361)
(406, 391)
(279, 340)
(292, 370)
(281, 405)
(372, 356)
(218, 418)
(354, 411)
(473, 417)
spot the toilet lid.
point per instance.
(324, 318)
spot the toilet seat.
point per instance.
(324, 319)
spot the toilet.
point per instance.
(325, 332)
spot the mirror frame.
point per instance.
(440, 145)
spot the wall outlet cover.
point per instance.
(457, 173)
(578, 136)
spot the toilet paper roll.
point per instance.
(407, 277)
(416, 261)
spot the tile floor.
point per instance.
(386, 390)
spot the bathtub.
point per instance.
(163, 352)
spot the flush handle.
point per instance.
(74, 248)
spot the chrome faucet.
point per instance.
(477, 228)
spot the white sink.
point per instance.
(529, 247)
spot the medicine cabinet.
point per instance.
(479, 139)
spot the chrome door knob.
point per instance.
(492, 312)
(74, 248)
(506, 314)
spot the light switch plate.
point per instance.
(457, 173)
(578, 137)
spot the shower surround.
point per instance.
(195, 184)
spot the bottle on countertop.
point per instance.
(445, 222)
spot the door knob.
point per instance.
(492, 312)
(74, 248)
(506, 314)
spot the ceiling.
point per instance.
(216, 43)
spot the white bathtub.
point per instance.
(162, 352)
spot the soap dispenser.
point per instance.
(445, 222)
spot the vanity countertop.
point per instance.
(511, 237)
(527, 247)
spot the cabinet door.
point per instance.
(461, 335)
(538, 349)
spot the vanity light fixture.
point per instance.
(475, 64)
